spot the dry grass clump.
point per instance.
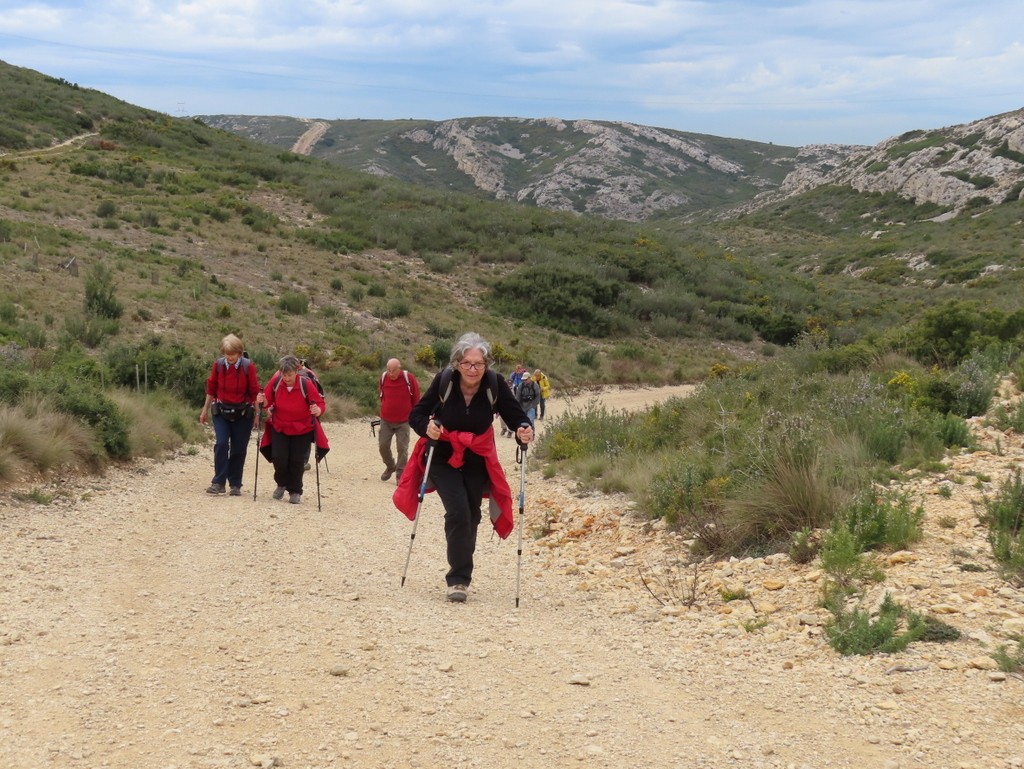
(157, 423)
(35, 440)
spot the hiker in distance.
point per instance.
(456, 415)
(528, 396)
(231, 392)
(399, 392)
(514, 380)
(545, 391)
(295, 406)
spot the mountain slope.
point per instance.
(611, 169)
(632, 172)
(957, 167)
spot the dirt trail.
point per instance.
(305, 143)
(144, 624)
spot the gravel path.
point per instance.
(144, 624)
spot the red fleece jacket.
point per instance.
(407, 496)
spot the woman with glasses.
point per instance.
(456, 415)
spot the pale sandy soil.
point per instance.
(145, 625)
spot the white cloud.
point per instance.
(772, 69)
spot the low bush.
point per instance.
(882, 519)
(892, 628)
(1003, 514)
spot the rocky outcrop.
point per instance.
(974, 164)
(633, 172)
(617, 170)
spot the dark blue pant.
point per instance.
(232, 442)
(461, 491)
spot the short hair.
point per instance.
(470, 341)
(288, 364)
(231, 344)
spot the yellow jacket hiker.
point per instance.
(545, 390)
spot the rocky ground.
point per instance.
(145, 624)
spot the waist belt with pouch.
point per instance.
(233, 411)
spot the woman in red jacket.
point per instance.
(231, 390)
(294, 404)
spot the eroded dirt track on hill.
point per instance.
(145, 624)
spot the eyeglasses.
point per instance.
(466, 366)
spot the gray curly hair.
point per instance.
(289, 363)
(467, 342)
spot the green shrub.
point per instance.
(90, 404)
(1004, 516)
(357, 383)
(157, 364)
(88, 330)
(803, 547)
(891, 630)
(294, 303)
(588, 358)
(880, 519)
(442, 349)
(14, 381)
(843, 560)
(99, 293)
(1010, 661)
(399, 308)
(1009, 418)
(567, 299)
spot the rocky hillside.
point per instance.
(617, 170)
(633, 172)
(974, 164)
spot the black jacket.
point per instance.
(456, 415)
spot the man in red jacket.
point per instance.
(399, 392)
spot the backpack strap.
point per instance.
(444, 388)
(222, 367)
(243, 363)
(301, 380)
(380, 387)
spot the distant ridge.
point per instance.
(634, 172)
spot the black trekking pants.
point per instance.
(290, 453)
(461, 491)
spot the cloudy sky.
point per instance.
(786, 71)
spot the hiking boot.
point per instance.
(457, 593)
(398, 475)
(215, 488)
(278, 492)
(307, 467)
(294, 498)
(236, 491)
(387, 473)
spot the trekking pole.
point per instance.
(521, 459)
(259, 432)
(419, 502)
(316, 461)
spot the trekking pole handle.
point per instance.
(433, 423)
